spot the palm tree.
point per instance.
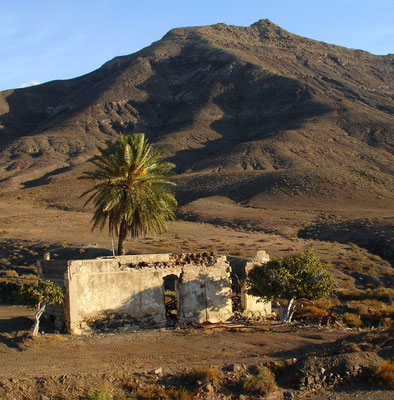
(132, 191)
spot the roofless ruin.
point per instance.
(133, 287)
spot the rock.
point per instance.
(232, 368)
(288, 395)
(158, 371)
(261, 257)
(157, 319)
(310, 380)
(208, 388)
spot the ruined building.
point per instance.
(135, 286)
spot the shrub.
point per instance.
(313, 313)
(383, 375)
(28, 278)
(278, 367)
(179, 394)
(99, 394)
(12, 274)
(294, 278)
(381, 293)
(151, 392)
(352, 320)
(316, 310)
(37, 296)
(374, 312)
(262, 383)
(204, 374)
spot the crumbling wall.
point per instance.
(133, 286)
(205, 293)
(253, 306)
(56, 272)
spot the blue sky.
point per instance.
(43, 40)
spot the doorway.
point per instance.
(171, 296)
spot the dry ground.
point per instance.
(238, 231)
(84, 360)
(63, 365)
(173, 350)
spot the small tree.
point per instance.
(37, 296)
(296, 277)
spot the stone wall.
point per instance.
(253, 306)
(134, 286)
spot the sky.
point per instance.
(44, 40)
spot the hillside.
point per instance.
(253, 114)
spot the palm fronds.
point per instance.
(132, 193)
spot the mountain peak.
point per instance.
(264, 107)
(269, 30)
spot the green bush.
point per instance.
(296, 277)
(99, 394)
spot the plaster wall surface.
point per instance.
(252, 305)
(133, 285)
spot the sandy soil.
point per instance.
(26, 221)
(96, 358)
(173, 350)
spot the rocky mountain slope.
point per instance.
(250, 113)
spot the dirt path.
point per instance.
(173, 350)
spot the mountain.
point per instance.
(254, 114)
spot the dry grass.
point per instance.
(352, 320)
(10, 273)
(179, 394)
(374, 312)
(149, 392)
(58, 338)
(383, 375)
(278, 367)
(316, 310)
(262, 383)
(314, 313)
(99, 394)
(380, 293)
(204, 374)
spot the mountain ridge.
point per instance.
(257, 107)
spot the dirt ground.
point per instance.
(232, 235)
(28, 366)
(94, 359)
(173, 350)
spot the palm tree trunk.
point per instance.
(122, 238)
